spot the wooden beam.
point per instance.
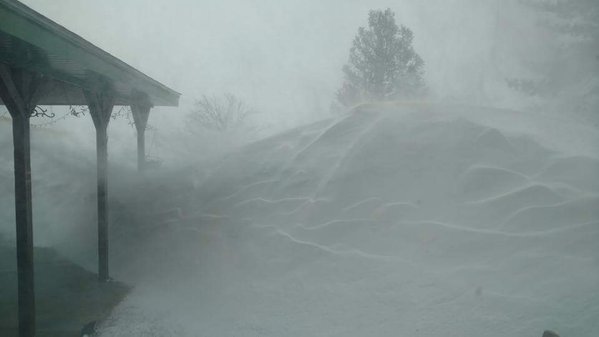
(140, 109)
(19, 91)
(100, 105)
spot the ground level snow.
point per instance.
(413, 220)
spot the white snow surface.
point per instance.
(394, 220)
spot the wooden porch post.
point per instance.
(19, 90)
(100, 105)
(140, 110)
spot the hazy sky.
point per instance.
(283, 57)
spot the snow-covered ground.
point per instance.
(399, 219)
(395, 220)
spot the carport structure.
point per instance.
(43, 63)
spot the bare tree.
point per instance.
(219, 113)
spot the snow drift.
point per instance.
(409, 220)
(394, 220)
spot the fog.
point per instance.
(285, 59)
(468, 211)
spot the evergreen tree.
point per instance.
(382, 62)
(569, 70)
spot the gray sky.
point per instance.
(283, 57)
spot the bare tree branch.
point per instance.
(219, 113)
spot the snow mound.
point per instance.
(414, 218)
(485, 182)
(573, 171)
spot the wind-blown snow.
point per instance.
(394, 220)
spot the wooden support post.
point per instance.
(19, 90)
(100, 105)
(140, 110)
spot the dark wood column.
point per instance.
(140, 110)
(100, 105)
(19, 90)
